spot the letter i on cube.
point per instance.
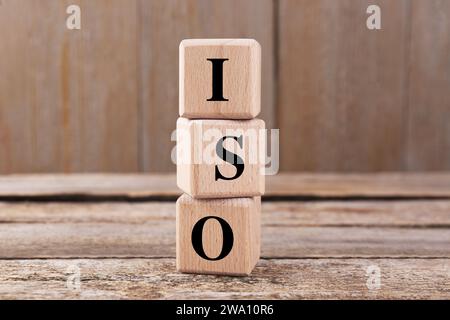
(220, 152)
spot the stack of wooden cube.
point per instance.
(219, 150)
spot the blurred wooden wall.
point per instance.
(105, 98)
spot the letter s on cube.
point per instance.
(220, 158)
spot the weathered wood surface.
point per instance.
(129, 185)
(389, 185)
(289, 229)
(401, 214)
(271, 279)
(311, 249)
(370, 185)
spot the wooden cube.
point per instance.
(220, 78)
(218, 236)
(220, 158)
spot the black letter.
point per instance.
(197, 238)
(226, 155)
(217, 79)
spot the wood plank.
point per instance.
(72, 230)
(271, 279)
(131, 185)
(429, 99)
(163, 24)
(68, 98)
(342, 87)
(29, 106)
(380, 185)
(400, 214)
(413, 214)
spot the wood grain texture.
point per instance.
(373, 185)
(429, 100)
(104, 99)
(401, 214)
(380, 185)
(163, 25)
(241, 215)
(341, 87)
(88, 185)
(371, 229)
(310, 249)
(68, 99)
(272, 279)
(198, 159)
(240, 82)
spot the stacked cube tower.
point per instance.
(218, 156)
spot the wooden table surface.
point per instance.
(323, 236)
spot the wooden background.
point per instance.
(105, 98)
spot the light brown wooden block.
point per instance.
(241, 222)
(201, 170)
(239, 85)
